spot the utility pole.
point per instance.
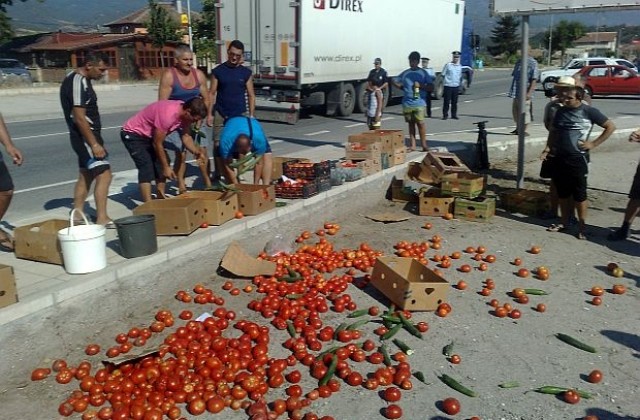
(190, 30)
(550, 37)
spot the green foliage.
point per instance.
(565, 33)
(6, 31)
(505, 36)
(161, 27)
(204, 31)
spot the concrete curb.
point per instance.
(114, 273)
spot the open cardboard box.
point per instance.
(8, 290)
(219, 207)
(174, 216)
(255, 199)
(409, 284)
(39, 241)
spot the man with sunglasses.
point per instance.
(80, 107)
(231, 94)
(571, 126)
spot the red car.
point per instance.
(610, 80)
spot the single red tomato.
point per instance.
(595, 376)
(451, 406)
(455, 359)
(392, 394)
(393, 411)
(571, 397)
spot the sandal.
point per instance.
(6, 243)
(556, 228)
(581, 236)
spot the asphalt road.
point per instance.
(46, 180)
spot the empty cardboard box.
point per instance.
(409, 284)
(356, 150)
(480, 209)
(39, 241)
(433, 204)
(445, 163)
(219, 207)
(528, 202)
(255, 199)
(463, 184)
(8, 290)
(174, 216)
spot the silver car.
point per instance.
(10, 68)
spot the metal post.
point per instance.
(522, 98)
(550, 37)
(189, 20)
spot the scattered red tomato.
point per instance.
(92, 349)
(535, 249)
(596, 301)
(451, 406)
(618, 289)
(40, 374)
(465, 268)
(462, 285)
(523, 272)
(455, 359)
(392, 394)
(541, 307)
(204, 225)
(393, 411)
(571, 397)
(595, 376)
(517, 261)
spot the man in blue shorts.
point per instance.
(230, 94)
(414, 83)
(240, 136)
(6, 183)
(80, 106)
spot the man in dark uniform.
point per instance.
(230, 93)
(80, 106)
(377, 82)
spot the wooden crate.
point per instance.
(480, 209)
(528, 202)
(463, 184)
(445, 163)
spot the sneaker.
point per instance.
(618, 235)
(444, 117)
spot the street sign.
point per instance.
(184, 19)
(533, 7)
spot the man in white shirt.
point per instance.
(452, 75)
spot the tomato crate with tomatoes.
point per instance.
(296, 189)
(306, 170)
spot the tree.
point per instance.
(6, 31)
(161, 27)
(563, 36)
(204, 31)
(505, 37)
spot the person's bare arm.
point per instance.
(166, 85)
(204, 91)
(5, 139)
(213, 90)
(251, 97)
(80, 120)
(158, 146)
(609, 128)
(229, 173)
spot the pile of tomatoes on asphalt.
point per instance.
(202, 366)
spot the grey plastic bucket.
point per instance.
(137, 235)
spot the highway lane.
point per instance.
(46, 180)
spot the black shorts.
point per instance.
(86, 159)
(6, 183)
(570, 177)
(144, 156)
(547, 168)
(634, 194)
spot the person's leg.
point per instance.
(180, 168)
(514, 114)
(145, 191)
(527, 117)
(422, 128)
(446, 98)
(378, 94)
(81, 189)
(218, 162)
(6, 242)
(267, 168)
(429, 104)
(412, 135)
(553, 199)
(631, 211)
(101, 193)
(204, 168)
(581, 207)
(454, 103)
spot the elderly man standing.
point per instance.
(80, 106)
(514, 92)
(452, 77)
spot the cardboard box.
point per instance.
(463, 184)
(430, 204)
(445, 163)
(399, 194)
(421, 172)
(8, 290)
(278, 162)
(39, 241)
(407, 283)
(390, 139)
(174, 216)
(529, 202)
(398, 156)
(219, 207)
(255, 199)
(367, 166)
(363, 150)
(480, 209)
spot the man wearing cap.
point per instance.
(514, 92)
(377, 81)
(452, 76)
(429, 70)
(413, 82)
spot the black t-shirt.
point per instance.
(572, 125)
(377, 77)
(76, 90)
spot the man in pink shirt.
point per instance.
(144, 133)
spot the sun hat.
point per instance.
(566, 81)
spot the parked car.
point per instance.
(573, 66)
(9, 67)
(611, 80)
(627, 63)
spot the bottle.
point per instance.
(416, 90)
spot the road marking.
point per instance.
(353, 125)
(468, 101)
(57, 134)
(317, 133)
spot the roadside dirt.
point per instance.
(493, 350)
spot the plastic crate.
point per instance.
(296, 190)
(306, 170)
(324, 184)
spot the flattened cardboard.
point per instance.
(255, 199)
(39, 241)
(174, 216)
(219, 207)
(238, 262)
(8, 290)
(116, 362)
(386, 217)
(409, 284)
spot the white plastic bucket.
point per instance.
(84, 247)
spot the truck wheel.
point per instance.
(361, 101)
(347, 100)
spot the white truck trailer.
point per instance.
(319, 52)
